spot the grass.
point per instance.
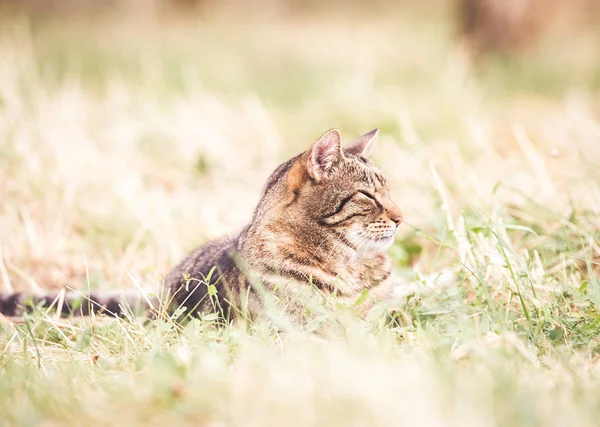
(124, 144)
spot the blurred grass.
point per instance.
(126, 141)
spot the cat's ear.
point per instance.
(324, 153)
(363, 145)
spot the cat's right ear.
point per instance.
(324, 153)
(363, 145)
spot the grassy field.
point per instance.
(124, 144)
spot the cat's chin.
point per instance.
(376, 245)
(371, 246)
(367, 246)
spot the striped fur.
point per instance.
(324, 218)
(109, 302)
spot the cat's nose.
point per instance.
(396, 216)
(397, 219)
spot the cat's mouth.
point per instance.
(386, 239)
(368, 243)
(383, 238)
(376, 244)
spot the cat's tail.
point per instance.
(116, 303)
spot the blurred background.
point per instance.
(131, 131)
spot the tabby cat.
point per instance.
(325, 218)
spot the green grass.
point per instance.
(123, 144)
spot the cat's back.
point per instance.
(211, 263)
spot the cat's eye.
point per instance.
(367, 195)
(352, 199)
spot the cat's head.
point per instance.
(338, 189)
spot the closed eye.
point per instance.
(353, 205)
(348, 199)
(370, 196)
(341, 205)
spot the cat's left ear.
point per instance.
(324, 153)
(363, 145)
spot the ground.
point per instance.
(124, 143)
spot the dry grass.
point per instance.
(124, 144)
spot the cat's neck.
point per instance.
(327, 261)
(311, 245)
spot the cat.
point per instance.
(324, 222)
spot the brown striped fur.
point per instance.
(324, 218)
